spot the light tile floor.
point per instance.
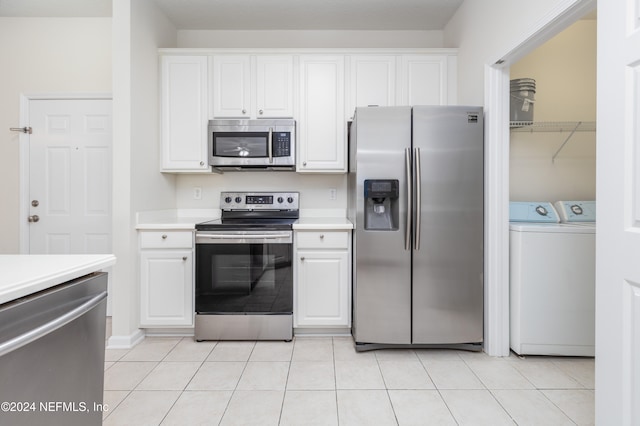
(323, 381)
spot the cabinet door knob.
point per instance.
(322, 236)
(184, 257)
(304, 163)
(202, 163)
(302, 258)
(164, 236)
(260, 112)
(244, 111)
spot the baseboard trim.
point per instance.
(125, 342)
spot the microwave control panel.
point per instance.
(281, 144)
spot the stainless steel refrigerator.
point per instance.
(416, 200)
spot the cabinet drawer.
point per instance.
(166, 239)
(323, 239)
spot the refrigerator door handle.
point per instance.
(418, 185)
(407, 235)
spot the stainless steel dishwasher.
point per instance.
(52, 355)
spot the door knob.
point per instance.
(34, 218)
(35, 203)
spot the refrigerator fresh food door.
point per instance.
(380, 152)
(448, 222)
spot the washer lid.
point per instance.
(532, 211)
(576, 211)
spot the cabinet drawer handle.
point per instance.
(164, 236)
(322, 236)
(184, 257)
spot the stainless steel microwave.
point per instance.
(252, 144)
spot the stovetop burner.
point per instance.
(255, 210)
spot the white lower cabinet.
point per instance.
(166, 279)
(323, 281)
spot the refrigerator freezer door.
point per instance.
(448, 263)
(382, 258)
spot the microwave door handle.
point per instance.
(270, 145)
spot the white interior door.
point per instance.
(618, 232)
(70, 177)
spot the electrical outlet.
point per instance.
(197, 193)
(333, 193)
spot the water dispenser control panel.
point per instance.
(381, 188)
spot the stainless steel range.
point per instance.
(244, 271)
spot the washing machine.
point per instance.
(552, 279)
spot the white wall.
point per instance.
(565, 72)
(139, 29)
(314, 189)
(43, 55)
(298, 39)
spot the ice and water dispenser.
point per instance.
(381, 204)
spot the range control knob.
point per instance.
(227, 200)
(280, 200)
(290, 200)
(238, 199)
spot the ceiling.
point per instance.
(264, 14)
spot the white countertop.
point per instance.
(322, 223)
(25, 274)
(320, 219)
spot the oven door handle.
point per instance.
(242, 236)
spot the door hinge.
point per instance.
(21, 129)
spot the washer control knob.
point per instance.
(289, 199)
(238, 200)
(227, 200)
(280, 200)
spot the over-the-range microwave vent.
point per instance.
(254, 169)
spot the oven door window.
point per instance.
(244, 278)
(243, 145)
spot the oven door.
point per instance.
(244, 272)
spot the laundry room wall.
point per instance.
(565, 72)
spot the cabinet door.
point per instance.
(231, 86)
(424, 80)
(322, 124)
(322, 292)
(373, 82)
(274, 85)
(166, 295)
(184, 113)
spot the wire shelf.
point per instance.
(552, 126)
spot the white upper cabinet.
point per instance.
(184, 113)
(252, 86)
(322, 146)
(274, 86)
(319, 89)
(426, 80)
(231, 86)
(372, 82)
